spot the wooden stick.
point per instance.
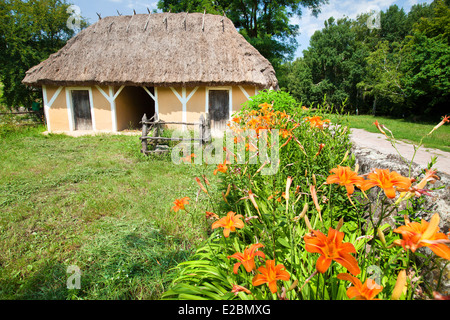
(144, 133)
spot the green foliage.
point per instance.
(281, 101)
(427, 63)
(29, 32)
(400, 69)
(332, 65)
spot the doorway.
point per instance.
(81, 105)
(219, 109)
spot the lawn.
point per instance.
(404, 130)
(96, 203)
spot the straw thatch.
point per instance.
(160, 49)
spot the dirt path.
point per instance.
(378, 142)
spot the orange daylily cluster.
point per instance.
(270, 273)
(389, 181)
(221, 167)
(317, 122)
(263, 119)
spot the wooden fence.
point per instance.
(23, 117)
(204, 130)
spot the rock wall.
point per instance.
(439, 201)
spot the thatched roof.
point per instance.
(160, 49)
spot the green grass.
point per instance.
(97, 203)
(410, 132)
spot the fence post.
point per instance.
(201, 129)
(144, 135)
(207, 134)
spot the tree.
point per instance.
(265, 24)
(383, 79)
(332, 65)
(427, 63)
(29, 32)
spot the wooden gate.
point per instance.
(204, 131)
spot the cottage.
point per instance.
(175, 65)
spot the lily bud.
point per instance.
(381, 236)
(340, 224)
(308, 224)
(294, 285)
(399, 285)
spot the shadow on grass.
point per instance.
(48, 283)
(122, 266)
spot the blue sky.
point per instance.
(308, 23)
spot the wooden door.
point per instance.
(81, 110)
(219, 109)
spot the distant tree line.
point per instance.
(401, 69)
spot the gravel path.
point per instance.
(378, 142)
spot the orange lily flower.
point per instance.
(252, 123)
(222, 167)
(229, 223)
(180, 203)
(331, 248)
(424, 234)
(237, 119)
(316, 121)
(188, 158)
(270, 274)
(247, 259)
(285, 133)
(418, 189)
(430, 176)
(388, 181)
(359, 291)
(344, 176)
